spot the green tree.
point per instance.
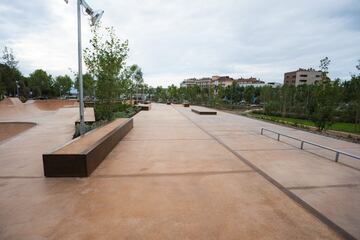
(137, 78)
(11, 79)
(266, 98)
(172, 93)
(40, 83)
(9, 58)
(324, 66)
(327, 97)
(88, 85)
(159, 94)
(62, 85)
(105, 60)
(249, 94)
(126, 87)
(355, 95)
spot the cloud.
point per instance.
(172, 40)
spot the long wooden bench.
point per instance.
(203, 112)
(81, 156)
(186, 104)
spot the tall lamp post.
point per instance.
(95, 17)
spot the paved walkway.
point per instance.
(332, 189)
(168, 179)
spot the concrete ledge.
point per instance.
(144, 107)
(81, 156)
(202, 112)
(89, 116)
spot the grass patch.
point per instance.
(339, 126)
(345, 127)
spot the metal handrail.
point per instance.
(337, 152)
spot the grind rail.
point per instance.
(302, 142)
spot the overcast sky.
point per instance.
(177, 39)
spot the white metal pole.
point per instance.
(81, 94)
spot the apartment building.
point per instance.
(302, 76)
(244, 82)
(188, 82)
(202, 82)
(225, 81)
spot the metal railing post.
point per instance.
(302, 142)
(337, 156)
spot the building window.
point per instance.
(317, 76)
(303, 80)
(303, 75)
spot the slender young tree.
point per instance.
(9, 58)
(324, 66)
(106, 60)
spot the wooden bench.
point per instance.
(186, 105)
(81, 156)
(203, 112)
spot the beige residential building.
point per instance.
(202, 82)
(302, 76)
(244, 82)
(223, 81)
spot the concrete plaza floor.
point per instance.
(333, 189)
(176, 175)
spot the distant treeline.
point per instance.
(38, 84)
(323, 103)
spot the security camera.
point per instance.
(95, 17)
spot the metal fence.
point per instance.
(302, 143)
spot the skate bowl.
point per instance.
(81, 156)
(54, 104)
(11, 101)
(13, 110)
(11, 129)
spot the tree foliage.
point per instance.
(9, 58)
(62, 85)
(106, 61)
(40, 83)
(11, 78)
(89, 84)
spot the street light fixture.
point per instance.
(95, 18)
